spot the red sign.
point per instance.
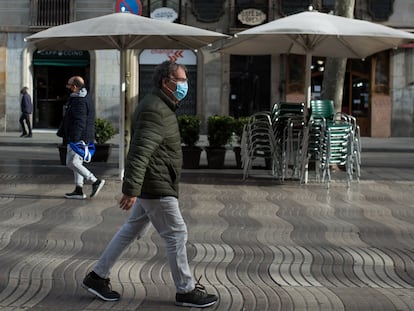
(131, 6)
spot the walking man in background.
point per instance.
(79, 125)
(150, 188)
(26, 108)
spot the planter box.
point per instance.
(215, 157)
(191, 157)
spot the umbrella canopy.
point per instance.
(122, 31)
(319, 34)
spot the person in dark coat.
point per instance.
(150, 190)
(79, 125)
(26, 108)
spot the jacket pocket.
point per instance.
(172, 172)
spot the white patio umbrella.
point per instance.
(122, 31)
(316, 34)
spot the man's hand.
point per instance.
(127, 202)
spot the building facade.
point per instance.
(378, 90)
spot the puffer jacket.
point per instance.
(79, 119)
(153, 163)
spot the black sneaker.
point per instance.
(97, 186)
(197, 298)
(100, 288)
(77, 194)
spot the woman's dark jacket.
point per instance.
(26, 104)
(153, 164)
(79, 119)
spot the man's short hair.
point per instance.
(165, 70)
(78, 82)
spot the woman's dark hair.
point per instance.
(165, 70)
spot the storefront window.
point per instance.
(208, 10)
(296, 74)
(328, 5)
(289, 7)
(380, 10)
(51, 71)
(382, 72)
(357, 88)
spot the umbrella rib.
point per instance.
(135, 41)
(300, 39)
(349, 47)
(184, 44)
(115, 42)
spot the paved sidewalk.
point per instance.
(260, 245)
(45, 137)
(382, 158)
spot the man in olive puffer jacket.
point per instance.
(150, 188)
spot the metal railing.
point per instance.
(48, 13)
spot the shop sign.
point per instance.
(157, 56)
(131, 6)
(61, 54)
(165, 14)
(251, 17)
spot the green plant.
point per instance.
(239, 125)
(104, 131)
(219, 130)
(189, 129)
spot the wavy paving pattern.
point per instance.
(258, 245)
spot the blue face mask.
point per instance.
(181, 91)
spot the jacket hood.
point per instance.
(82, 93)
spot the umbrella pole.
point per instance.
(122, 116)
(308, 76)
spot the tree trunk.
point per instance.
(335, 68)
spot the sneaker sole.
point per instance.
(94, 292)
(76, 197)
(99, 189)
(189, 304)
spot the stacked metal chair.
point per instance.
(322, 113)
(333, 140)
(258, 142)
(289, 124)
(337, 149)
(356, 143)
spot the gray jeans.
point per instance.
(80, 172)
(165, 216)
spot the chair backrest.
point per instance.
(292, 108)
(322, 108)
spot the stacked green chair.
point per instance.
(323, 109)
(356, 143)
(337, 149)
(333, 140)
(322, 114)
